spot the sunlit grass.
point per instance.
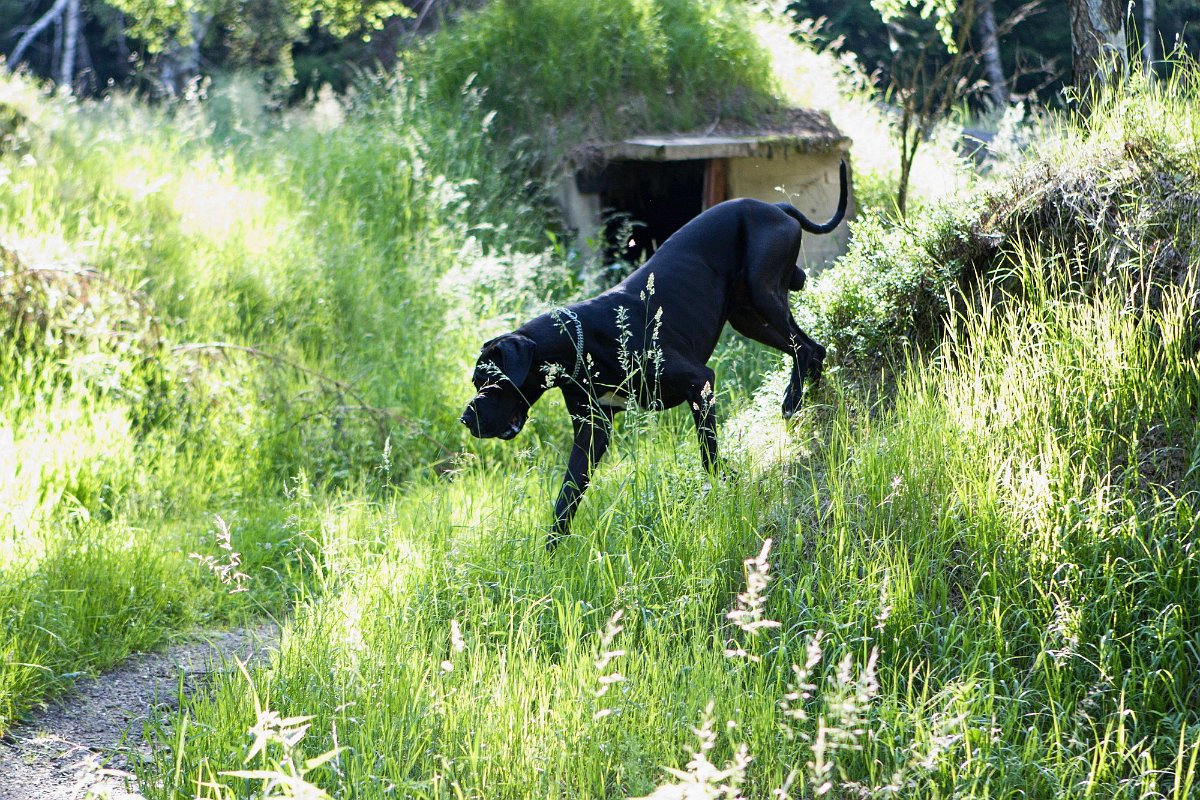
(986, 582)
(296, 261)
(929, 533)
(565, 73)
(985, 579)
(60, 447)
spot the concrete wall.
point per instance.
(810, 182)
(581, 210)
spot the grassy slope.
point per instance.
(292, 242)
(565, 73)
(989, 585)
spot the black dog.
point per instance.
(649, 337)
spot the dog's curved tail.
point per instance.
(813, 227)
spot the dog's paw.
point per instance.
(815, 368)
(792, 399)
(554, 536)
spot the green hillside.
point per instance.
(236, 343)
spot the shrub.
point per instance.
(1110, 196)
(572, 68)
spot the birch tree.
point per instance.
(66, 75)
(993, 66)
(67, 15)
(52, 15)
(1149, 34)
(1099, 48)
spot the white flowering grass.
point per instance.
(935, 597)
(984, 583)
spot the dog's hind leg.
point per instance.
(770, 273)
(593, 428)
(778, 329)
(798, 279)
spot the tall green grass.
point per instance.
(267, 301)
(985, 584)
(566, 73)
(273, 299)
(992, 583)
(982, 584)
(1105, 197)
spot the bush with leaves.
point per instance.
(1113, 195)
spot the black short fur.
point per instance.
(649, 338)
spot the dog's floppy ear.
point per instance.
(511, 353)
(516, 357)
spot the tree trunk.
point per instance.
(66, 77)
(87, 68)
(1149, 34)
(56, 48)
(122, 40)
(1099, 50)
(36, 28)
(180, 63)
(993, 67)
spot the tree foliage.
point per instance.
(931, 70)
(159, 22)
(123, 41)
(941, 11)
(1036, 54)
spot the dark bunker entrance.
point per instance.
(644, 202)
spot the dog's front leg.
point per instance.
(704, 412)
(593, 427)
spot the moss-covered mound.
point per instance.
(1112, 197)
(566, 70)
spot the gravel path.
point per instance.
(82, 745)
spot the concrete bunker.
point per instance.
(625, 198)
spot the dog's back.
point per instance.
(650, 337)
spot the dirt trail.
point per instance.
(82, 746)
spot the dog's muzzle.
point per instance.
(505, 430)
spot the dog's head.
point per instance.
(504, 392)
